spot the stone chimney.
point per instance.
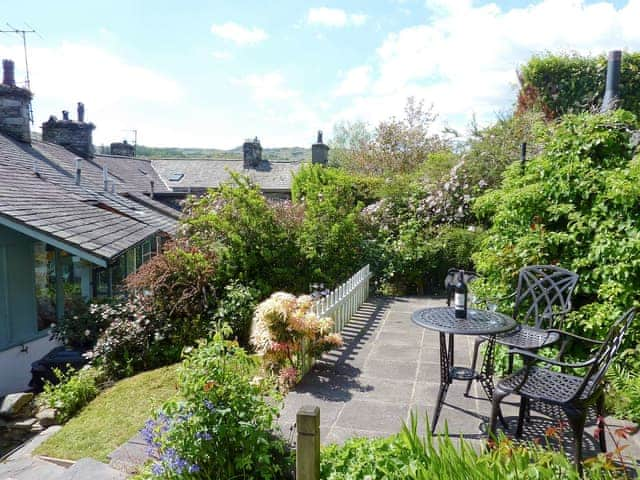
(74, 136)
(15, 103)
(252, 153)
(320, 151)
(123, 149)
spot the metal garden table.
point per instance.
(478, 322)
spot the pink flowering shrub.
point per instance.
(285, 330)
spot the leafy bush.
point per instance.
(235, 309)
(224, 426)
(74, 390)
(576, 205)
(624, 398)
(80, 327)
(180, 283)
(561, 84)
(136, 339)
(410, 456)
(331, 235)
(285, 330)
(254, 244)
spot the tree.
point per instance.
(394, 146)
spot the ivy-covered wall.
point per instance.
(570, 83)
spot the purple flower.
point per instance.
(203, 435)
(209, 404)
(157, 469)
(194, 468)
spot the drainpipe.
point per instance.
(612, 92)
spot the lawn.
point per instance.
(112, 417)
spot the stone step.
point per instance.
(88, 468)
(30, 468)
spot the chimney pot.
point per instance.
(80, 112)
(8, 73)
(65, 115)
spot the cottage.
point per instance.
(69, 228)
(170, 180)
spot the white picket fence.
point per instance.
(341, 303)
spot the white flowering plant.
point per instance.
(134, 340)
(285, 330)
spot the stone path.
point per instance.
(389, 368)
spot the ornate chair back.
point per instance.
(605, 355)
(541, 289)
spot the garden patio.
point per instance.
(389, 367)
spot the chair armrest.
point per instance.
(574, 336)
(539, 358)
(494, 300)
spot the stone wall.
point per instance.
(75, 136)
(124, 149)
(14, 112)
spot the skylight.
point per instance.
(176, 176)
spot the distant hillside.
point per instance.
(273, 154)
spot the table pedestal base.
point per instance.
(449, 372)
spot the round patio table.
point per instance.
(478, 322)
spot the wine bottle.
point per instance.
(460, 297)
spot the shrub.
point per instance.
(331, 235)
(224, 426)
(235, 309)
(410, 456)
(576, 205)
(80, 327)
(74, 390)
(181, 285)
(253, 244)
(285, 330)
(135, 340)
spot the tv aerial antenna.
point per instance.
(23, 33)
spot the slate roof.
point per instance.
(84, 216)
(199, 174)
(42, 207)
(135, 173)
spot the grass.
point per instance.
(113, 417)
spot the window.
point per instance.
(176, 176)
(45, 282)
(58, 283)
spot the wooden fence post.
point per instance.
(308, 444)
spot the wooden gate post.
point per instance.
(308, 444)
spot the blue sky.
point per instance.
(209, 74)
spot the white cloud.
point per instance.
(465, 59)
(222, 55)
(355, 82)
(334, 17)
(267, 86)
(238, 34)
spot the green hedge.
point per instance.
(571, 83)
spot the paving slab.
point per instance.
(390, 367)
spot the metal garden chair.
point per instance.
(574, 394)
(542, 298)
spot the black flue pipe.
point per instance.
(612, 91)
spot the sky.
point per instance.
(194, 73)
